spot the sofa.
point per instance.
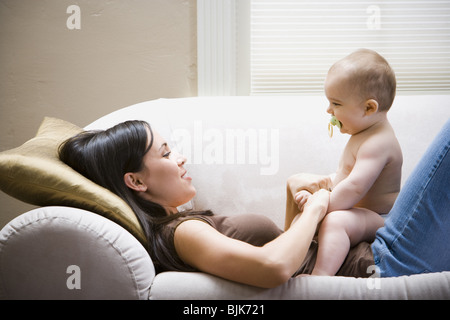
(83, 242)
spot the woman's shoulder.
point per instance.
(208, 219)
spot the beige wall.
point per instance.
(125, 52)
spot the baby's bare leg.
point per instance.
(340, 230)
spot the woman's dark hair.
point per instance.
(104, 157)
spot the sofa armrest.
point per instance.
(68, 253)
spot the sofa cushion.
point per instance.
(34, 173)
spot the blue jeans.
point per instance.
(416, 235)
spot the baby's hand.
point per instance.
(318, 203)
(301, 197)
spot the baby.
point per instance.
(360, 88)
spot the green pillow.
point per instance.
(34, 173)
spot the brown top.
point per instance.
(251, 228)
(259, 230)
(254, 229)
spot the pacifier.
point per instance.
(333, 122)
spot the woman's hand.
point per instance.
(298, 182)
(318, 203)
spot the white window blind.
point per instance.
(294, 42)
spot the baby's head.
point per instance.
(368, 75)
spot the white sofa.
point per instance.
(240, 152)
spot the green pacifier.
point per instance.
(333, 122)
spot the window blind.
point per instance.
(294, 42)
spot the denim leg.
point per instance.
(416, 235)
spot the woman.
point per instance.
(136, 163)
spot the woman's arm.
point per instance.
(204, 248)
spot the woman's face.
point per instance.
(165, 179)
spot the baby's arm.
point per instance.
(370, 161)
